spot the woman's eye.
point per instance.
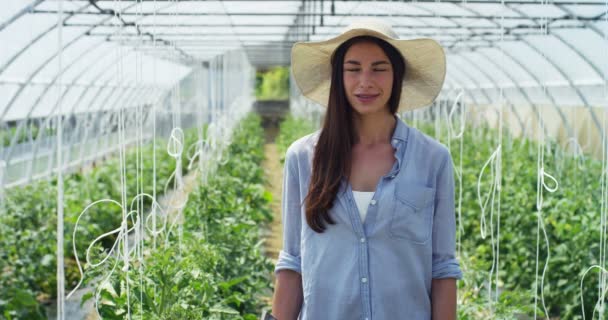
(355, 70)
(379, 69)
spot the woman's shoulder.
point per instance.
(430, 145)
(303, 148)
(304, 144)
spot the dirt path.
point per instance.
(273, 171)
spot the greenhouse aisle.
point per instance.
(274, 173)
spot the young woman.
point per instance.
(368, 202)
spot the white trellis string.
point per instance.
(122, 165)
(489, 199)
(60, 240)
(577, 152)
(541, 186)
(601, 297)
(140, 232)
(155, 81)
(175, 148)
(458, 102)
(602, 288)
(603, 217)
(499, 159)
(606, 62)
(121, 234)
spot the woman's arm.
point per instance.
(288, 295)
(446, 268)
(443, 299)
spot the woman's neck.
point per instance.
(374, 129)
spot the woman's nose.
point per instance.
(365, 79)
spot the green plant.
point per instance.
(272, 84)
(290, 130)
(216, 270)
(28, 223)
(571, 216)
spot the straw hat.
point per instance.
(424, 64)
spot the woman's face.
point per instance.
(368, 78)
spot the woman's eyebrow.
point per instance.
(373, 63)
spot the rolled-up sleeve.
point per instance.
(445, 264)
(289, 256)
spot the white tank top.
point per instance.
(362, 198)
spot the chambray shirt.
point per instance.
(380, 269)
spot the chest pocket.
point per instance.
(412, 216)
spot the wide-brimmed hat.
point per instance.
(424, 64)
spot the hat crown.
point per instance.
(373, 24)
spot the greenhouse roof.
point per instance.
(558, 45)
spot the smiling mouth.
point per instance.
(366, 98)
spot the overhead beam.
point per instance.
(314, 14)
(323, 34)
(27, 9)
(419, 1)
(335, 26)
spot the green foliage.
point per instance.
(272, 84)
(28, 225)
(571, 216)
(30, 130)
(290, 130)
(217, 271)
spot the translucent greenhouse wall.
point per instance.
(218, 88)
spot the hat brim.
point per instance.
(425, 67)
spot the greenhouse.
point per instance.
(145, 148)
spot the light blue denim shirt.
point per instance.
(380, 269)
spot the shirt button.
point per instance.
(362, 240)
(364, 280)
(373, 202)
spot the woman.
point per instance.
(368, 202)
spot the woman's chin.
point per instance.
(366, 109)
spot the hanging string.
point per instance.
(140, 234)
(154, 76)
(60, 240)
(489, 199)
(492, 197)
(603, 217)
(602, 288)
(542, 186)
(599, 303)
(121, 236)
(122, 165)
(604, 206)
(459, 105)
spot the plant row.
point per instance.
(290, 130)
(28, 224)
(570, 216)
(214, 268)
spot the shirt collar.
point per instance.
(398, 141)
(400, 133)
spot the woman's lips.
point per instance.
(366, 98)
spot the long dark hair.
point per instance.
(332, 156)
